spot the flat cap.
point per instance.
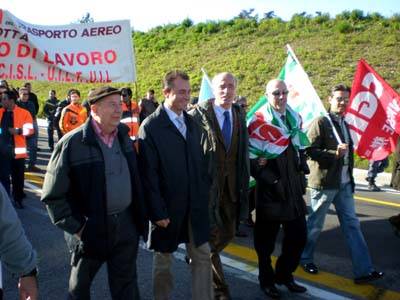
(101, 92)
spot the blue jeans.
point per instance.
(349, 223)
(377, 166)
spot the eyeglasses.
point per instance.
(25, 94)
(342, 99)
(277, 93)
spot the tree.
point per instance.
(86, 19)
(269, 15)
(247, 14)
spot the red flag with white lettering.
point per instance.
(373, 114)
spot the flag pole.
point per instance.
(335, 133)
(206, 76)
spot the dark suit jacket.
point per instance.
(175, 179)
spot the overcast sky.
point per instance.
(150, 13)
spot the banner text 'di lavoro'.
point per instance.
(76, 53)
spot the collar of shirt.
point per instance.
(338, 118)
(172, 116)
(107, 139)
(219, 113)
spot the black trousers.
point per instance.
(13, 168)
(294, 240)
(121, 262)
(50, 133)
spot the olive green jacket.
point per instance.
(325, 167)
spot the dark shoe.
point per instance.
(395, 222)
(310, 268)
(18, 204)
(240, 233)
(34, 169)
(367, 278)
(294, 287)
(373, 188)
(271, 291)
(38, 149)
(223, 297)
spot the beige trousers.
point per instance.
(201, 272)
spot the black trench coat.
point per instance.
(175, 180)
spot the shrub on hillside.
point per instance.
(344, 27)
(322, 18)
(186, 23)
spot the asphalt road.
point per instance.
(335, 281)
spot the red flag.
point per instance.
(373, 114)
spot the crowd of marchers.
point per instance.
(172, 173)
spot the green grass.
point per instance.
(254, 50)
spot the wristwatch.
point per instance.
(31, 273)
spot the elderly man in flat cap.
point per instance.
(92, 191)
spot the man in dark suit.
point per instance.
(176, 186)
(226, 144)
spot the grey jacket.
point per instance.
(16, 253)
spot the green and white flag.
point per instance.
(302, 96)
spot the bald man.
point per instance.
(279, 193)
(226, 143)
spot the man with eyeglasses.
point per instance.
(93, 192)
(331, 182)
(279, 193)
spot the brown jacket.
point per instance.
(205, 116)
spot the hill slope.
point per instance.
(253, 50)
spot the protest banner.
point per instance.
(373, 114)
(76, 53)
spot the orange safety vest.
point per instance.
(130, 117)
(72, 116)
(22, 120)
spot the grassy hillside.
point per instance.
(253, 49)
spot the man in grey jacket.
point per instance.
(16, 253)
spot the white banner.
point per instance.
(77, 53)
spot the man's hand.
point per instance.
(28, 288)
(163, 223)
(341, 150)
(79, 233)
(13, 131)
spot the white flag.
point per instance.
(302, 96)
